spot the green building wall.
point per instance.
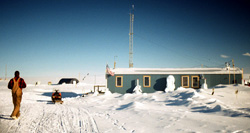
(215, 79)
(158, 82)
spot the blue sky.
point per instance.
(65, 38)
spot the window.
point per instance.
(185, 81)
(146, 81)
(195, 82)
(119, 81)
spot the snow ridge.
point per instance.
(182, 110)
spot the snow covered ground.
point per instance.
(183, 110)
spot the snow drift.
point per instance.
(183, 110)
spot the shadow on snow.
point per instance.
(5, 117)
(181, 99)
(185, 99)
(64, 94)
(122, 107)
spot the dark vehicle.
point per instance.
(68, 81)
(56, 97)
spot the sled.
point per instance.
(57, 97)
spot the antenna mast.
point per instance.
(131, 14)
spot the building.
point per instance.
(154, 79)
(68, 81)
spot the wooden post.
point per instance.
(242, 80)
(242, 73)
(115, 61)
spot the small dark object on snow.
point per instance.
(56, 97)
(236, 92)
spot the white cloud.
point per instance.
(246, 54)
(224, 56)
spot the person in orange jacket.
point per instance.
(16, 84)
(56, 96)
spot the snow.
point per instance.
(204, 85)
(182, 110)
(137, 89)
(107, 92)
(235, 70)
(170, 83)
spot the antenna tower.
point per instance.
(131, 14)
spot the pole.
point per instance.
(115, 62)
(131, 37)
(229, 74)
(242, 80)
(234, 70)
(242, 73)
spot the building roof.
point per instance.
(177, 70)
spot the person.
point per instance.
(56, 96)
(16, 84)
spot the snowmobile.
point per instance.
(57, 97)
